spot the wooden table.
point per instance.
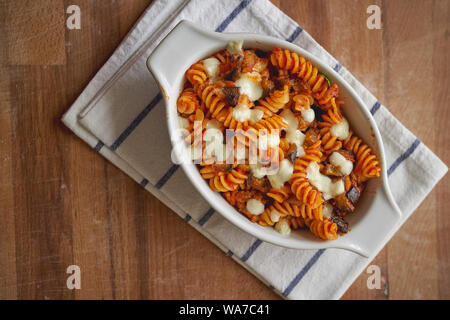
(61, 203)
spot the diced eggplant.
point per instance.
(344, 204)
(302, 123)
(318, 112)
(341, 223)
(312, 136)
(261, 53)
(347, 155)
(230, 76)
(353, 195)
(262, 184)
(232, 95)
(301, 86)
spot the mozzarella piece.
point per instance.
(327, 210)
(212, 66)
(274, 216)
(235, 46)
(183, 122)
(293, 135)
(340, 130)
(214, 146)
(323, 183)
(243, 113)
(258, 171)
(268, 141)
(213, 124)
(343, 165)
(308, 115)
(255, 207)
(282, 227)
(250, 85)
(283, 174)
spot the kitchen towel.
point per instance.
(122, 116)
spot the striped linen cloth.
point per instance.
(122, 116)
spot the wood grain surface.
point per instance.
(61, 203)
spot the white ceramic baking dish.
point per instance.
(376, 216)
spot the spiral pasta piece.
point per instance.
(229, 181)
(300, 185)
(327, 98)
(304, 69)
(274, 102)
(214, 102)
(302, 102)
(188, 102)
(325, 229)
(287, 209)
(269, 125)
(267, 218)
(307, 212)
(197, 73)
(280, 194)
(296, 223)
(195, 135)
(330, 142)
(367, 166)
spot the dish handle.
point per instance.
(175, 52)
(378, 225)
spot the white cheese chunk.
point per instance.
(282, 227)
(308, 115)
(268, 141)
(214, 145)
(327, 210)
(283, 174)
(258, 171)
(212, 66)
(255, 207)
(213, 124)
(323, 183)
(235, 46)
(340, 130)
(274, 216)
(250, 85)
(293, 135)
(343, 165)
(183, 122)
(242, 113)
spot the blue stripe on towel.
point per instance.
(167, 176)
(375, 107)
(99, 145)
(337, 67)
(295, 34)
(144, 182)
(232, 15)
(403, 157)
(302, 272)
(206, 217)
(250, 250)
(136, 121)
